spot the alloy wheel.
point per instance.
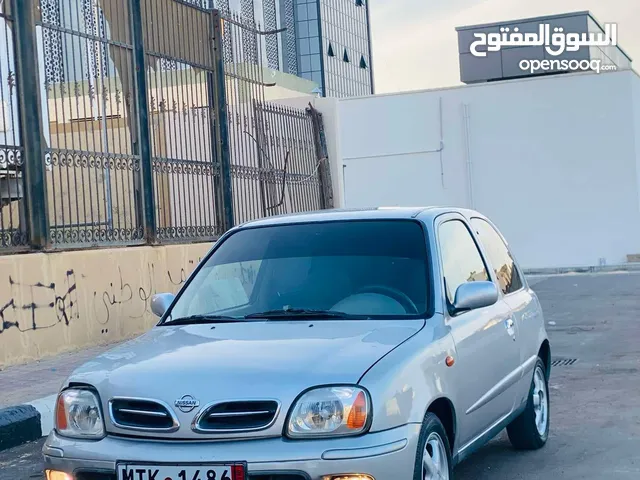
(540, 401)
(435, 465)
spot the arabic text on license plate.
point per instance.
(174, 472)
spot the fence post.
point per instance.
(215, 158)
(30, 120)
(324, 167)
(223, 122)
(144, 136)
(263, 177)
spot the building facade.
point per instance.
(325, 41)
(333, 46)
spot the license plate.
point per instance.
(180, 472)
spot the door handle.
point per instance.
(510, 324)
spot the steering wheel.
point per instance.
(399, 296)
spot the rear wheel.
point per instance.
(530, 430)
(433, 460)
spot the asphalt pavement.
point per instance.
(595, 409)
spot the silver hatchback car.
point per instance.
(382, 344)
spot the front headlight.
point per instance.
(330, 411)
(78, 414)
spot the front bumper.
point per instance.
(388, 455)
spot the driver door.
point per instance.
(484, 338)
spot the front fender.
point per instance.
(408, 379)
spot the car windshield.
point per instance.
(350, 269)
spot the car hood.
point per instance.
(249, 360)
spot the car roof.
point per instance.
(375, 213)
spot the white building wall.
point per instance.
(635, 90)
(553, 161)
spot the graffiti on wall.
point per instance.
(113, 296)
(179, 279)
(62, 299)
(29, 307)
(146, 291)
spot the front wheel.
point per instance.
(433, 461)
(530, 430)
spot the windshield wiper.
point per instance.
(286, 313)
(194, 319)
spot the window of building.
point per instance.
(363, 62)
(359, 3)
(330, 51)
(499, 256)
(345, 57)
(461, 259)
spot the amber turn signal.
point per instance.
(61, 415)
(358, 414)
(449, 361)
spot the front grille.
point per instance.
(237, 416)
(142, 414)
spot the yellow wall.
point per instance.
(58, 302)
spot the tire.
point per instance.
(432, 434)
(528, 431)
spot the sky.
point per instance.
(415, 45)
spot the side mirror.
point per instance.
(161, 302)
(472, 295)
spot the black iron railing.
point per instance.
(145, 121)
(13, 231)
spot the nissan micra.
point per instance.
(381, 344)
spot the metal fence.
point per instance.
(132, 121)
(91, 167)
(287, 158)
(275, 166)
(182, 95)
(13, 233)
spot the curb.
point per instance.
(625, 267)
(26, 423)
(19, 425)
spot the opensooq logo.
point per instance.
(555, 40)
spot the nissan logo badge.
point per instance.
(187, 403)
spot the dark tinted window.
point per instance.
(461, 260)
(499, 256)
(359, 267)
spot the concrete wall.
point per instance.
(552, 161)
(58, 302)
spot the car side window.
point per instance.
(499, 256)
(461, 259)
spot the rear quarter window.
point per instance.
(499, 256)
